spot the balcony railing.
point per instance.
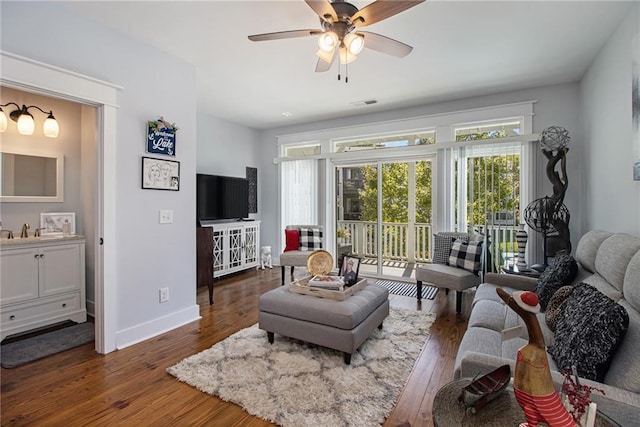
(398, 243)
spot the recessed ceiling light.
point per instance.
(287, 114)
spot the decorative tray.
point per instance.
(301, 287)
(319, 263)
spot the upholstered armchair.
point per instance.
(457, 263)
(301, 241)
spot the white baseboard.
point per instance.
(91, 308)
(158, 326)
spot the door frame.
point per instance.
(37, 77)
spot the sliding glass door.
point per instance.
(383, 212)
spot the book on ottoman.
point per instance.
(334, 283)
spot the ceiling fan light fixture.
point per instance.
(354, 43)
(328, 41)
(346, 57)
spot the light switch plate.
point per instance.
(166, 217)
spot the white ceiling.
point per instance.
(461, 49)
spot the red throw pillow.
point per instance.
(292, 238)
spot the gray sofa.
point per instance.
(609, 262)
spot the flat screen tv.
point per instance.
(221, 197)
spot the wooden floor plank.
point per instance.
(131, 386)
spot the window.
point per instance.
(488, 186)
(424, 138)
(299, 190)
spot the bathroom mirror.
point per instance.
(31, 176)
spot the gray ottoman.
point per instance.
(340, 325)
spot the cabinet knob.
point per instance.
(36, 256)
(64, 304)
(12, 317)
(41, 255)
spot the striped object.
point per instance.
(407, 289)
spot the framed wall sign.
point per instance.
(160, 174)
(161, 137)
(58, 223)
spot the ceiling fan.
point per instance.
(340, 34)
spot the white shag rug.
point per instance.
(291, 383)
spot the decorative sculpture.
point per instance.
(485, 389)
(548, 215)
(521, 240)
(532, 381)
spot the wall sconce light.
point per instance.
(24, 119)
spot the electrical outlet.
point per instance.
(164, 295)
(166, 217)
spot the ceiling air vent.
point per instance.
(365, 102)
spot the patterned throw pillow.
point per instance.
(562, 271)
(556, 305)
(589, 332)
(310, 239)
(466, 255)
(292, 239)
(442, 243)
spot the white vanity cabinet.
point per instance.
(42, 282)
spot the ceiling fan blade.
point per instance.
(324, 9)
(385, 44)
(283, 35)
(323, 65)
(381, 9)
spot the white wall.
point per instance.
(227, 149)
(556, 105)
(611, 197)
(149, 255)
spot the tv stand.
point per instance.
(236, 246)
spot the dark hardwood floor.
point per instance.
(130, 386)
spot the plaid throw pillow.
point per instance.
(466, 255)
(310, 239)
(442, 243)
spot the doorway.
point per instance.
(38, 78)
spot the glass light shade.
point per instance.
(26, 124)
(3, 121)
(345, 56)
(354, 43)
(51, 128)
(325, 56)
(328, 41)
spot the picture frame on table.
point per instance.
(349, 269)
(57, 223)
(160, 174)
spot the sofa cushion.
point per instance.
(292, 239)
(589, 332)
(466, 255)
(310, 239)
(632, 282)
(562, 271)
(624, 371)
(614, 256)
(588, 248)
(556, 305)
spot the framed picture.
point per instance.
(159, 174)
(349, 269)
(57, 223)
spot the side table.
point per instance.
(504, 410)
